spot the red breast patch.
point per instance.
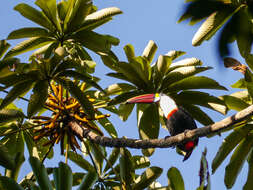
(189, 145)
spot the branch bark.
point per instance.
(161, 143)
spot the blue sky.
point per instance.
(140, 22)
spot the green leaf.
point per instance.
(112, 159)
(88, 181)
(98, 156)
(234, 103)
(76, 92)
(6, 159)
(12, 79)
(96, 42)
(34, 15)
(142, 66)
(181, 73)
(62, 8)
(77, 178)
(140, 162)
(133, 74)
(7, 115)
(147, 177)
(107, 125)
(36, 149)
(212, 24)
(229, 143)
(185, 62)
(240, 84)
(76, 14)
(15, 145)
(129, 51)
(79, 76)
(40, 173)
(194, 82)
(198, 114)
(148, 121)
(4, 46)
(149, 51)
(8, 183)
(99, 17)
(243, 95)
(173, 54)
(47, 50)
(50, 10)
(163, 64)
(9, 62)
(148, 124)
(38, 98)
(118, 76)
(28, 45)
(15, 92)
(175, 179)
(125, 110)
(110, 60)
(63, 177)
(118, 88)
(28, 33)
(199, 98)
(80, 161)
(244, 35)
(126, 167)
(250, 88)
(249, 183)
(237, 159)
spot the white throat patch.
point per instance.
(167, 105)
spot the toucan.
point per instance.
(178, 119)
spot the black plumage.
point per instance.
(180, 121)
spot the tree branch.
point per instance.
(161, 143)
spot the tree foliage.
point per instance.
(63, 93)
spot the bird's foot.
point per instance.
(167, 136)
(185, 131)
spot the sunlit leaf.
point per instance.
(147, 177)
(176, 181)
(38, 98)
(33, 15)
(126, 167)
(15, 92)
(229, 143)
(63, 177)
(28, 33)
(8, 183)
(237, 159)
(50, 10)
(88, 181)
(195, 82)
(28, 45)
(112, 159)
(80, 161)
(212, 25)
(76, 92)
(149, 51)
(40, 173)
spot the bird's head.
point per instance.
(166, 103)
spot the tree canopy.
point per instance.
(70, 113)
